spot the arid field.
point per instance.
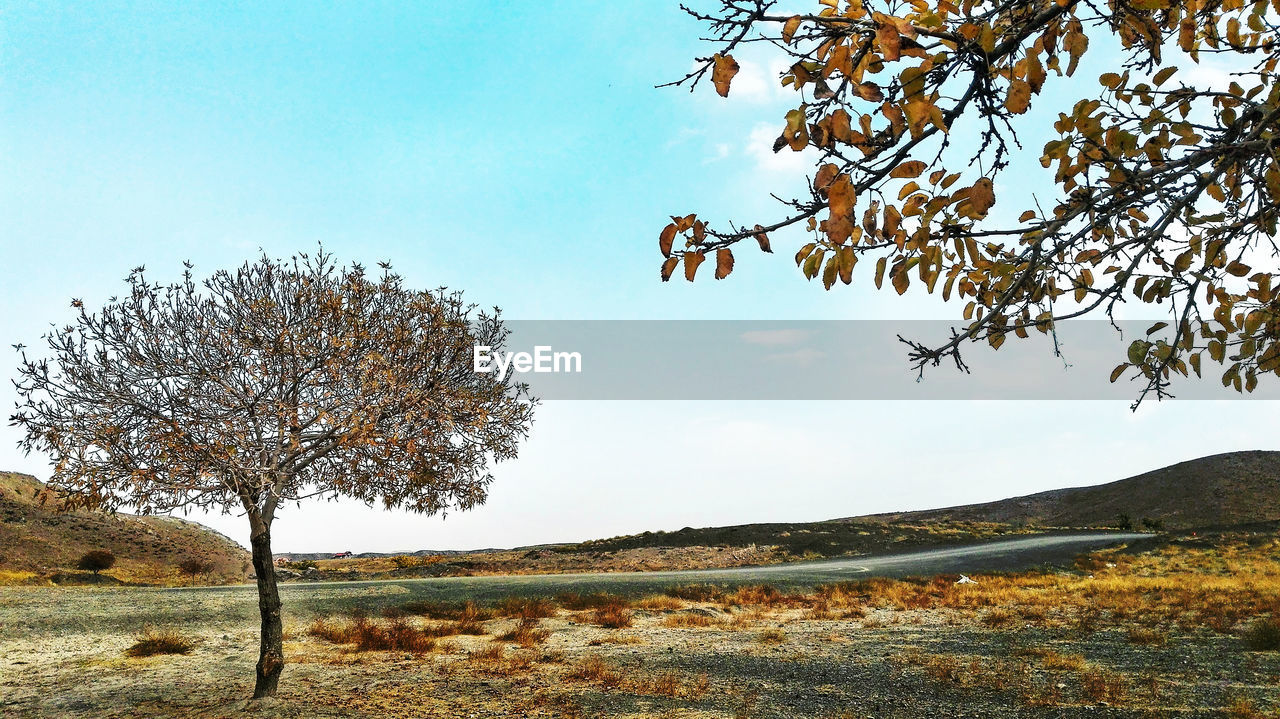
(1186, 629)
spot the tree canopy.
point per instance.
(268, 384)
(1166, 182)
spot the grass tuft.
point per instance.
(154, 641)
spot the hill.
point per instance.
(39, 543)
(1220, 490)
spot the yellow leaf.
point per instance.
(789, 28)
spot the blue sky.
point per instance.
(520, 152)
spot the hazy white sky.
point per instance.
(537, 179)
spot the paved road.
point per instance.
(999, 555)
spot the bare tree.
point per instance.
(195, 567)
(272, 383)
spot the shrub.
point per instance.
(367, 635)
(595, 669)
(772, 636)
(96, 561)
(683, 620)
(1263, 635)
(527, 633)
(612, 616)
(1146, 636)
(152, 642)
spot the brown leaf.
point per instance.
(908, 170)
(982, 197)
(666, 238)
(725, 67)
(889, 41)
(1019, 98)
(789, 28)
(826, 174)
(724, 263)
(668, 267)
(763, 239)
(870, 91)
(691, 262)
(841, 196)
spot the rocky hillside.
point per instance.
(1217, 491)
(38, 543)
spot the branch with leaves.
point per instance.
(1166, 189)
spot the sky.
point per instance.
(521, 152)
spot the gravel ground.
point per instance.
(57, 663)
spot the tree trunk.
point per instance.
(271, 651)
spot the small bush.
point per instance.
(772, 636)
(369, 636)
(612, 616)
(597, 670)
(684, 620)
(152, 642)
(997, 618)
(1263, 635)
(527, 633)
(1146, 636)
(660, 603)
(96, 561)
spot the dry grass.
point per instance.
(612, 616)
(1263, 635)
(597, 670)
(696, 592)
(688, 620)
(368, 635)
(1146, 636)
(159, 641)
(528, 633)
(659, 603)
(1055, 661)
(601, 672)
(1100, 685)
(771, 636)
(578, 602)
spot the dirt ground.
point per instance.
(1091, 641)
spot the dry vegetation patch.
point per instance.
(154, 641)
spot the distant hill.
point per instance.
(1220, 490)
(37, 539)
